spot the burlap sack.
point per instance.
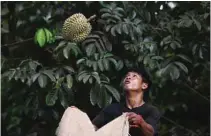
(76, 123)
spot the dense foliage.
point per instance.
(42, 74)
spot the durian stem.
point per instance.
(90, 18)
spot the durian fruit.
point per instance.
(77, 27)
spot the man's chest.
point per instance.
(118, 111)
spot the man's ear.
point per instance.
(144, 86)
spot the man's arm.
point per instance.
(137, 121)
(99, 120)
(147, 129)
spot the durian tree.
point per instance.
(59, 54)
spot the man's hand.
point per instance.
(134, 119)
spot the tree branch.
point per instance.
(178, 125)
(202, 96)
(16, 43)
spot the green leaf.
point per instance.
(49, 73)
(100, 98)
(35, 76)
(107, 43)
(69, 69)
(69, 81)
(40, 37)
(94, 66)
(63, 99)
(114, 62)
(90, 80)
(167, 39)
(29, 81)
(90, 49)
(28, 100)
(194, 49)
(80, 61)
(137, 21)
(120, 65)
(42, 80)
(118, 14)
(105, 10)
(51, 97)
(94, 94)
(107, 55)
(96, 56)
(184, 57)
(85, 79)
(133, 15)
(100, 64)
(182, 66)
(188, 22)
(108, 27)
(185, 107)
(206, 15)
(114, 92)
(106, 64)
(125, 29)
(171, 108)
(200, 53)
(140, 58)
(119, 9)
(48, 35)
(118, 29)
(104, 98)
(88, 41)
(174, 73)
(106, 15)
(160, 72)
(66, 52)
(11, 74)
(55, 114)
(198, 25)
(96, 76)
(75, 49)
(107, 99)
(100, 47)
(104, 78)
(81, 76)
(157, 58)
(147, 16)
(32, 65)
(117, 17)
(177, 44)
(146, 60)
(131, 30)
(59, 82)
(113, 31)
(58, 73)
(89, 63)
(173, 45)
(61, 45)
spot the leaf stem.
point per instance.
(90, 18)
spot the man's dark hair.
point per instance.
(143, 73)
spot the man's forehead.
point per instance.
(132, 72)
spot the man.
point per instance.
(143, 117)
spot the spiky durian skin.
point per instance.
(76, 28)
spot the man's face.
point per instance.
(133, 82)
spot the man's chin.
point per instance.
(128, 89)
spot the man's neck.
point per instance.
(134, 99)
